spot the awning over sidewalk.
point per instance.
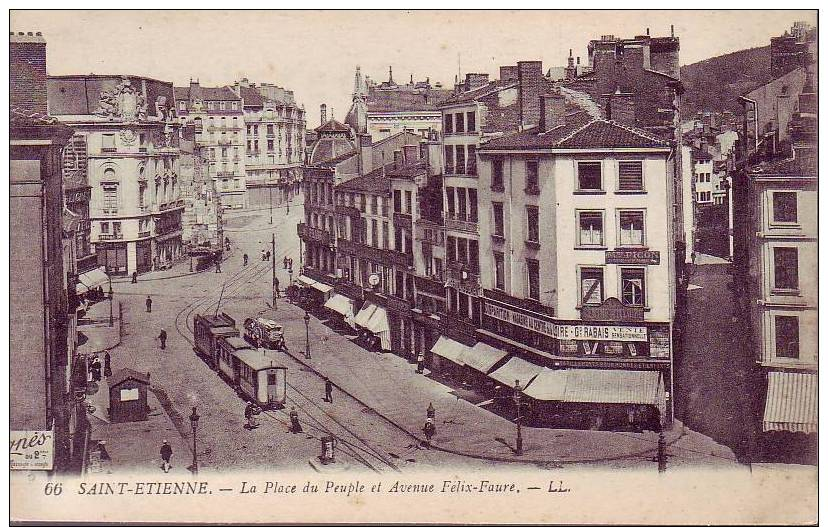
(361, 318)
(549, 385)
(91, 280)
(516, 369)
(319, 286)
(343, 305)
(375, 319)
(304, 280)
(449, 349)
(482, 357)
(613, 386)
(791, 402)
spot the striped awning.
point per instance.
(549, 385)
(323, 287)
(91, 280)
(516, 369)
(791, 402)
(449, 349)
(342, 305)
(613, 386)
(482, 357)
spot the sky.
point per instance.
(315, 53)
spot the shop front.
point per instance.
(112, 257)
(375, 331)
(791, 402)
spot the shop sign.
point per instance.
(31, 450)
(568, 331)
(633, 257)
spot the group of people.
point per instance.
(95, 367)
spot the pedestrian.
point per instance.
(276, 287)
(250, 416)
(429, 430)
(218, 265)
(245, 259)
(284, 262)
(420, 362)
(149, 304)
(267, 257)
(163, 338)
(95, 368)
(328, 390)
(134, 277)
(166, 455)
(430, 411)
(295, 427)
(290, 263)
(263, 255)
(107, 365)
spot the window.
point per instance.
(632, 287)
(116, 228)
(451, 248)
(110, 196)
(533, 279)
(108, 142)
(450, 202)
(497, 174)
(591, 227)
(449, 155)
(471, 163)
(704, 196)
(182, 105)
(589, 175)
(784, 207)
(532, 228)
(460, 159)
(532, 177)
(234, 105)
(270, 145)
(473, 205)
(448, 127)
(142, 191)
(630, 175)
(785, 268)
(385, 235)
(631, 227)
(459, 125)
(385, 207)
(497, 214)
(270, 129)
(787, 337)
(408, 203)
(104, 227)
(397, 201)
(470, 118)
(374, 233)
(592, 285)
(461, 204)
(500, 282)
(222, 106)
(362, 202)
(374, 204)
(474, 256)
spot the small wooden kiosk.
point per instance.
(128, 396)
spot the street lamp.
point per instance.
(307, 336)
(270, 198)
(111, 322)
(519, 439)
(194, 422)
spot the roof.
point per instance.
(259, 359)
(24, 124)
(701, 155)
(332, 126)
(251, 96)
(406, 171)
(205, 93)
(328, 149)
(338, 159)
(793, 166)
(122, 375)
(373, 183)
(579, 131)
(486, 89)
(406, 100)
(237, 343)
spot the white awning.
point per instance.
(91, 280)
(516, 369)
(361, 319)
(614, 386)
(549, 385)
(791, 402)
(319, 286)
(482, 357)
(305, 280)
(341, 304)
(449, 349)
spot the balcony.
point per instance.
(347, 210)
(308, 233)
(394, 303)
(171, 205)
(402, 220)
(462, 224)
(113, 236)
(463, 278)
(387, 256)
(431, 285)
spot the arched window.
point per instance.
(109, 173)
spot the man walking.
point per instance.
(107, 365)
(284, 262)
(328, 390)
(166, 455)
(149, 304)
(134, 277)
(218, 264)
(420, 362)
(276, 287)
(245, 259)
(95, 368)
(163, 338)
(295, 427)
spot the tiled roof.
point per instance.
(251, 96)
(406, 100)
(328, 148)
(338, 159)
(373, 183)
(222, 93)
(332, 126)
(701, 155)
(794, 166)
(20, 117)
(407, 171)
(481, 91)
(579, 131)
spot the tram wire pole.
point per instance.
(273, 266)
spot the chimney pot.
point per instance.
(30, 34)
(39, 34)
(672, 30)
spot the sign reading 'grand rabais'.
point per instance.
(568, 331)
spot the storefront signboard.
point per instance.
(633, 257)
(31, 450)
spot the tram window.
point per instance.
(271, 379)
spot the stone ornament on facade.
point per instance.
(128, 137)
(122, 102)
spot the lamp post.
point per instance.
(307, 336)
(273, 266)
(111, 320)
(194, 417)
(519, 439)
(270, 199)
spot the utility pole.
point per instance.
(270, 199)
(273, 265)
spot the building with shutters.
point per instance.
(130, 132)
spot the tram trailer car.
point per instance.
(260, 377)
(227, 347)
(207, 329)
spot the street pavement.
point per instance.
(379, 404)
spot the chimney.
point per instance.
(571, 72)
(530, 78)
(621, 108)
(672, 30)
(434, 156)
(323, 114)
(476, 80)
(553, 109)
(508, 73)
(27, 72)
(410, 153)
(366, 154)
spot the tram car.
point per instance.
(227, 347)
(260, 377)
(206, 331)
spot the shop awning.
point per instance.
(361, 319)
(549, 385)
(91, 280)
(613, 386)
(482, 357)
(304, 280)
(449, 349)
(516, 369)
(319, 286)
(341, 304)
(378, 325)
(791, 402)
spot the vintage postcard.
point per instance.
(413, 266)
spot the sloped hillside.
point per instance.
(715, 83)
